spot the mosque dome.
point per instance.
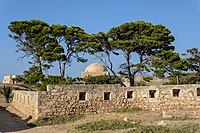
(96, 67)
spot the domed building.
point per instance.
(94, 69)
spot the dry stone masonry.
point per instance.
(63, 100)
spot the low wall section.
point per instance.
(87, 99)
(26, 102)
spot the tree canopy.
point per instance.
(169, 62)
(141, 38)
(45, 44)
(145, 47)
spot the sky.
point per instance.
(182, 17)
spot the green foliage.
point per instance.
(105, 125)
(54, 80)
(45, 44)
(128, 110)
(186, 78)
(148, 78)
(99, 46)
(169, 62)
(33, 38)
(70, 37)
(103, 79)
(51, 80)
(142, 38)
(57, 120)
(7, 93)
(32, 76)
(193, 59)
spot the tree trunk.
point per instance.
(62, 67)
(39, 64)
(177, 79)
(131, 77)
(131, 81)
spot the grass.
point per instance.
(128, 110)
(57, 120)
(136, 128)
(150, 129)
(105, 125)
(187, 128)
(179, 118)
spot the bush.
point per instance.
(53, 80)
(7, 93)
(103, 79)
(105, 125)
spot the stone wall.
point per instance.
(26, 102)
(81, 99)
(88, 99)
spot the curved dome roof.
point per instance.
(96, 67)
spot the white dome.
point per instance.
(96, 67)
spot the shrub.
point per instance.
(103, 79)
(7, 93)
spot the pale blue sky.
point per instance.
(182, 17)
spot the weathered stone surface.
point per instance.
(87, 99)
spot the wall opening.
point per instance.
(198, 91)
(129, 94)
(107, 96)
(82, 96)
(176, 92)
(152, 93)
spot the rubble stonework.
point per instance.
(63, 100)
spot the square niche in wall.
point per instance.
(82, 96)
(176, 92)
(198, 92)
(152, 93)
(129, 94)
(107, 96)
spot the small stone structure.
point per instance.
(10, 79)
(63, 100)
(95, 69)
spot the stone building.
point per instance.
(95, 69)
(10, 79)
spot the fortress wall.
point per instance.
(88, 99)
(26, 102)
(63, 100)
